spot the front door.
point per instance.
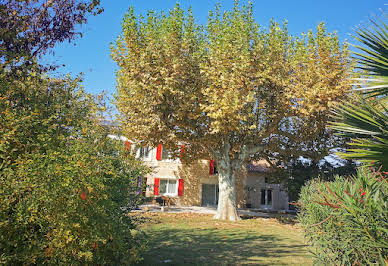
(209, 194)
(266, 199)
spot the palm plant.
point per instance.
(365, 121)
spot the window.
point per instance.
(215, 168)
(165, 154)
(212, 167)
(168, 187)
(266, 198)
(143, 153)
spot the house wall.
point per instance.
(255, 182)
(196, 174)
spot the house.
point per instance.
(197, 184)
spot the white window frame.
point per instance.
(148, 158)
(169, 180)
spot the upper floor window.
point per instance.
(212, 167)
(143, 153)
(166, 154)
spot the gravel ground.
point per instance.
(203, 210)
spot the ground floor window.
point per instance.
(266, 198)
(168, 187)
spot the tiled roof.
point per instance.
(261, 166)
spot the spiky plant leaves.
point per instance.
(365, 120)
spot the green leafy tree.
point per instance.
(365, 120)
(229, 91)
(63, 182)
(65, 187)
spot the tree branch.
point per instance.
(255, 149)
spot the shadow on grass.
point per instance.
(287, 219)
(218, 247)
(281, 218)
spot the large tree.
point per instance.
(228, 91)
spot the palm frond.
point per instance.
(373, 56)
(365, 122)
(376, 87)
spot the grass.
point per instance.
(197, 239)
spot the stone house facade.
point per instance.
(196, 184)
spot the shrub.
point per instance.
(346, 220)
(63, 183)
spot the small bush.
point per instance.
(346, 220)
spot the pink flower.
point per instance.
(363, 193)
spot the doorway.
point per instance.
(266, 199)
(209, 194)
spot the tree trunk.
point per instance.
(228, 168)
(227, 209)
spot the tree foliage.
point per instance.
(29, 28)
(63, 182)
(346, 220)
(294, 174)
(65, 188)
(229, 90)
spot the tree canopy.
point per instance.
(230, 90)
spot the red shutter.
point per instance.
(182, 152)
(180, 187)
(159, 152)
(127, 145)
(156, 186)
(211, 167)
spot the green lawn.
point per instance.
(197, 239)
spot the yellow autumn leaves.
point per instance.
(179, 82)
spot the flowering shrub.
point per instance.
(346, 220)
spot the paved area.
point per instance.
(204, 210)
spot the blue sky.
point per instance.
(91, 55)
